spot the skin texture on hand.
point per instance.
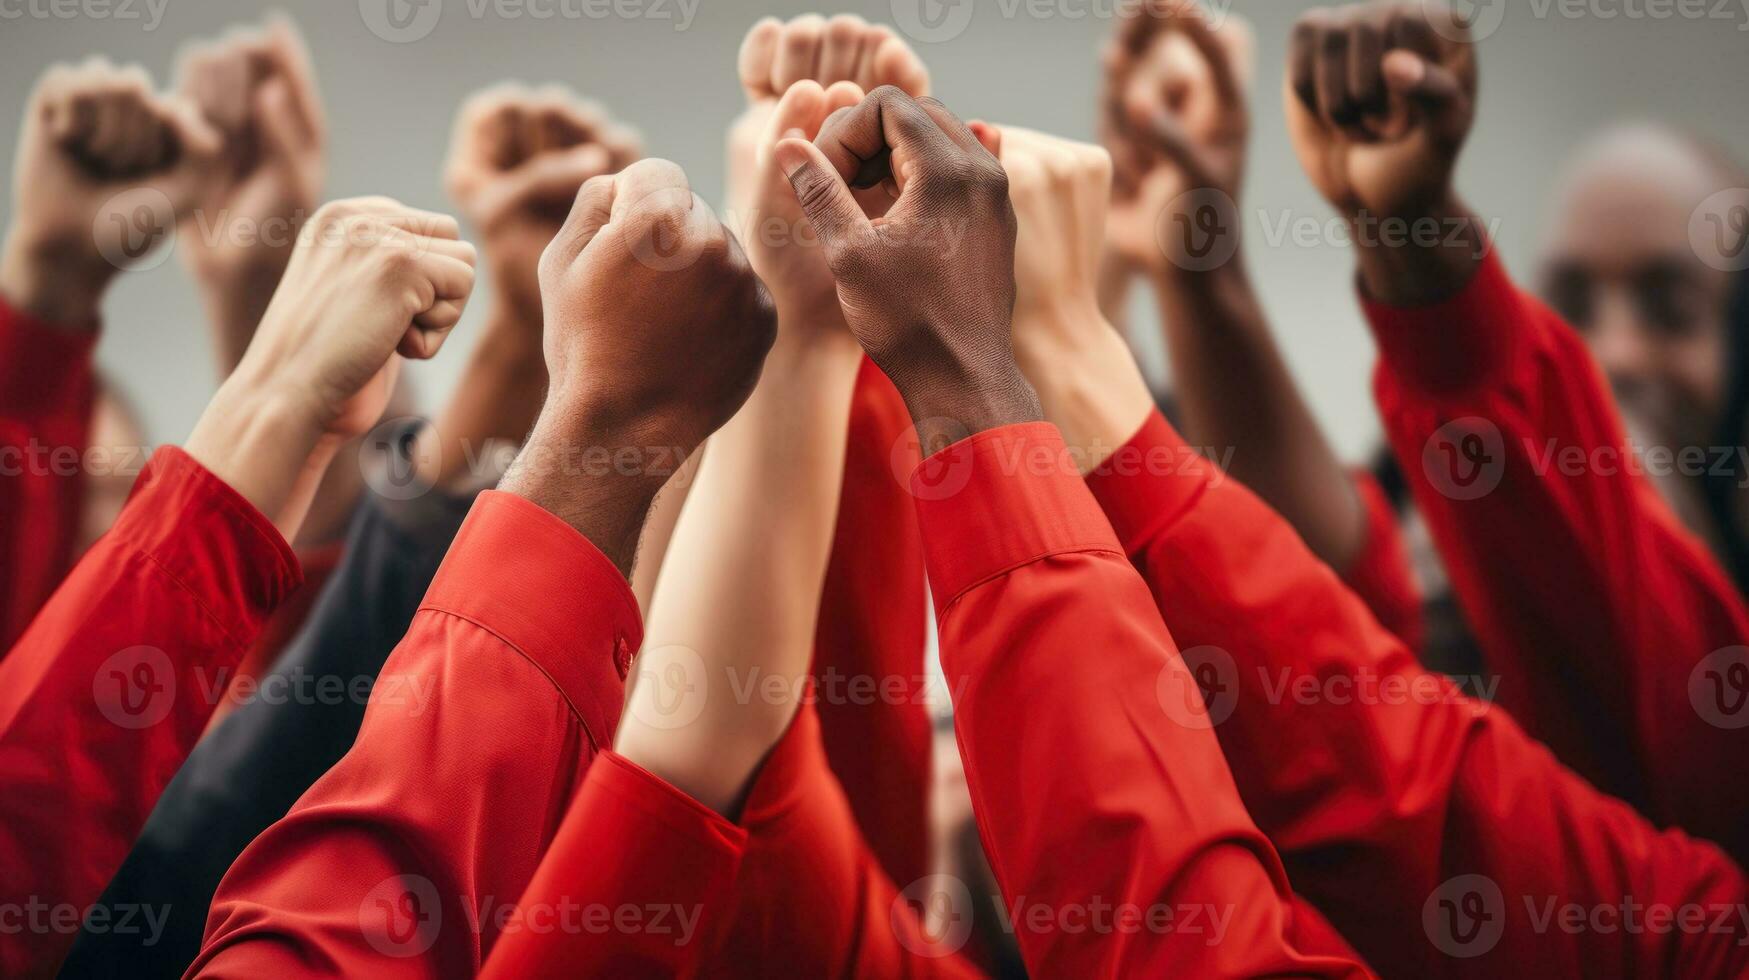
(104, 168)
(369, 279)
(928, 287)
(257, 87)
(1379, 105)
(775, 55)
(1080, 366)
(1175, 121)
(656, 329)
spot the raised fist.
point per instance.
(369, 278)
(928, 287)
(656, 326)
(775, 56)
(784, 251)
(1060, 191)
(258, 89)
(516, 161)
(1175, 122)
(1380, 99)
(104, 168)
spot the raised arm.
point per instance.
(1027, 577)
(165, 604)
(1178, 125)
(105, 165)
(1604, 619)
(388, 869)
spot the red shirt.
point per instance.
(408, 857)
(106, 692)
(1115, 830)
(47, 389)
(1616, 638)
(1431, 830)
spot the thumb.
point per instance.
(822, 194)
(1432, 88)
(551, 177)
(1176, 144)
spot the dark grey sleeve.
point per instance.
(246, 774)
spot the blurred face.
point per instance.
(1621, 270)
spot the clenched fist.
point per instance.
(928, 287)
(1379, 102)
(517, 160)
(105, 165)
(258, 89)
(369, 278)
(1176, 124)
(656, 329)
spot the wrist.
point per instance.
(1419, 258)
(952, 399)
(260, 440)
(60, 283)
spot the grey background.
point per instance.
(1548, 80)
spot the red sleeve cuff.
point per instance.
(664, 803)
(211, 540)
(42, 368)
(1004, 498)
(1462, 343)
(1150, 482)
(522, 574)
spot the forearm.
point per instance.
(58, 283)
(749, 555)
(1240, 403)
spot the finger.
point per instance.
(551, 178)
(798, 113)
(623, 144)
(859, 141)
(441, 318)
(896, 64)
(457, 249)
(823, 195)
(1303, 59)
(950, 124)
(430, 224)
(1434, 89)
(280, 126)
(290, 55)
(590, 212)
(1333, 98)
(650, 185)
(1175, 142)
(989, 135)
(758, 52)
(842, 48)
(798, 51)
(1366, 82)
(450, 277)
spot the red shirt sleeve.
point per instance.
(650, 905)
(1615, 636)
(408, 857)
(108, 689)
(812, 900)
(47, 387)
(1437, 836)
(872, 630)
(1114, 829)
(1381, 574)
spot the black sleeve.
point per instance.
(246, 774)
